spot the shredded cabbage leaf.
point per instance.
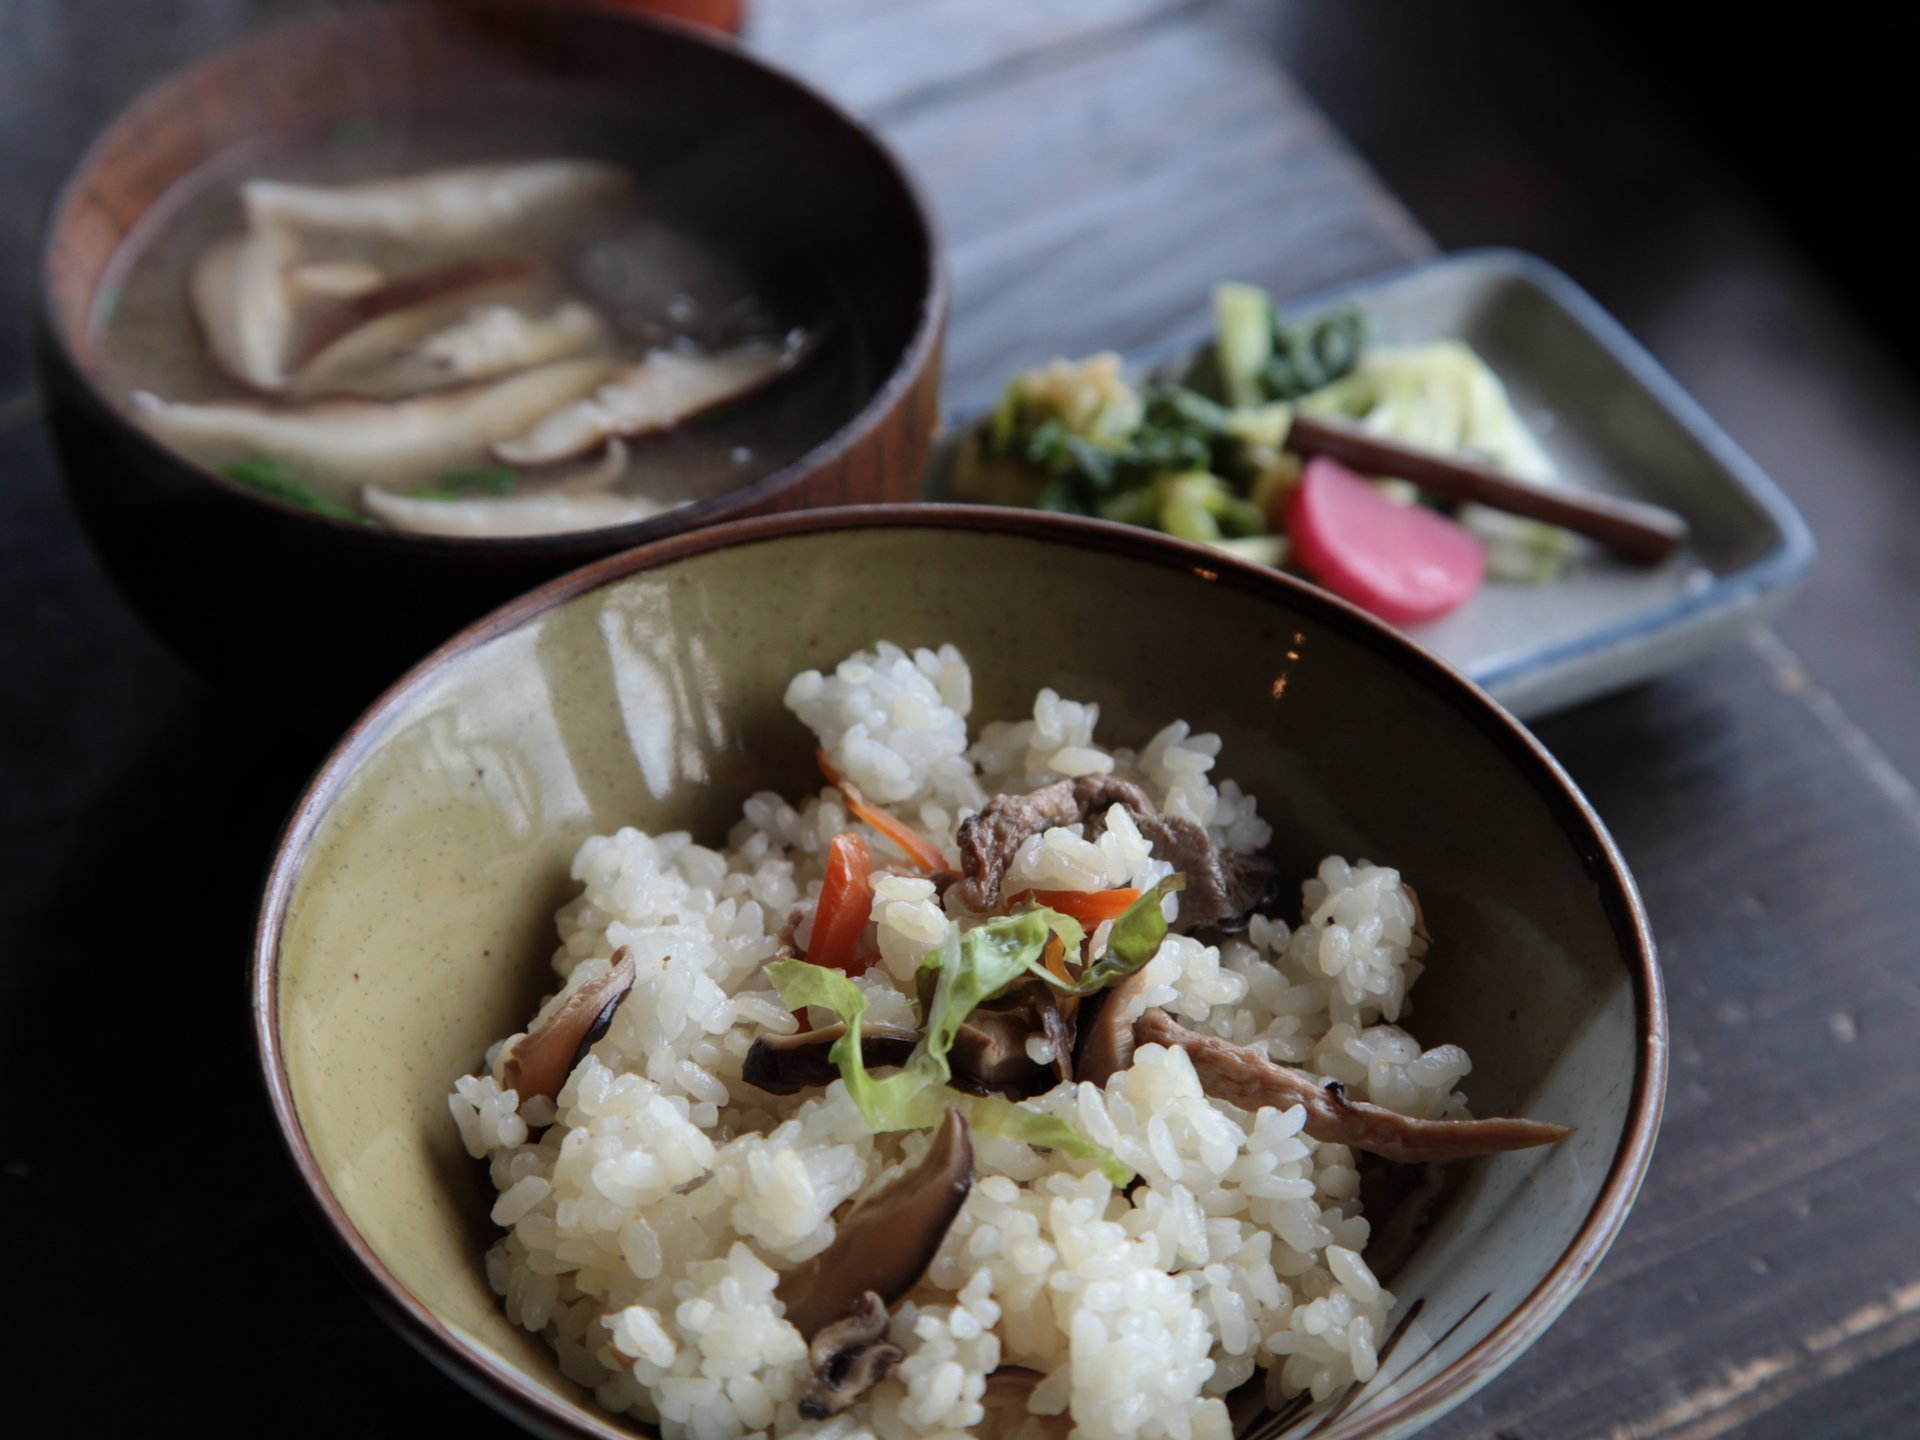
(991, 1115)
(1135, 938)
(968, 970)
(991, 957)
(905, 1100)
(1069, 931)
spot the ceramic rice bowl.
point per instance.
(408, 921)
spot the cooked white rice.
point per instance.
(649, 1222)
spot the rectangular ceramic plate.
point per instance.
(1612, 420)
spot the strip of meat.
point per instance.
(1221, 888)
(988, 839)
(1248, 1079)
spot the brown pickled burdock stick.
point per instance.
(1632, 529)
(1250, 1080)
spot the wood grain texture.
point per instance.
(1769, 1255)
(1092, 198)
(873, 54)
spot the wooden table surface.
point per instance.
(1096, 165)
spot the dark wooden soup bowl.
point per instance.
(280, 600)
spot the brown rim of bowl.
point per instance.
(914, 359)
(537, 1406)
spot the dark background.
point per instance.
(1732, 191)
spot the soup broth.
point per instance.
(516, 345)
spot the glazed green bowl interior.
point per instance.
(409, 924)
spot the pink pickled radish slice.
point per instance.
(1403, 562)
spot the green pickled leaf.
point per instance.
(1063, 451)
(1262, 426)
(1175, 406)
(1239, 518)
(1062, 495)
(1158, 450)
(1135, 938)
(1188, 505)
(1244, 325)
(1310, 357)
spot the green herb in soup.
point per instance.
(272, 479)
(466, 484)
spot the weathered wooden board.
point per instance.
(1093, 197)
(876, 55)
(1772, 1252)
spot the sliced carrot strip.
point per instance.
(918, 850)
(846, 903)
(1055, 959)
(1089, 907)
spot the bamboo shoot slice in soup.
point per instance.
(362, 341)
